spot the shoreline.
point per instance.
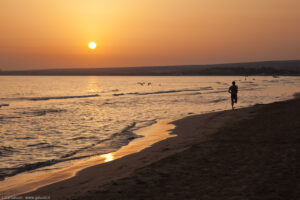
(51, 189)
(33, 181)
(128, 175)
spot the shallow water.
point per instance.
(49, 120)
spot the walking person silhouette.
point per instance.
(233, 90)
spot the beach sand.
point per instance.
(249, 153)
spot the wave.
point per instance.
(7, 172)
(33, 113)
(115, 141)
(164, 92)
(195, 93)
(61, 97)
(206, 88)
(24, 138)
(272, 81)
(221, 83)
(215, 92)
(8, 117)
(84, 138)
(118, 94)
(6, 151)
(125, 135)
(47, 98)
(218, 100)
(41, 112)
(37, 144)
(107, 103)
(43, 145)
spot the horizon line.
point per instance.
(148, 66)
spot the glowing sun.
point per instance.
(92, 45)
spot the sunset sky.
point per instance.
(40, 34)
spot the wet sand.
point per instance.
(27, 182)
(249, 153)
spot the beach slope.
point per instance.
(249, 153)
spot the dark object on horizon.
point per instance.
(267, 68)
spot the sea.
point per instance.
(46, 120)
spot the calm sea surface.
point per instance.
(48, 120)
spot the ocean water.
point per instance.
(55, 119)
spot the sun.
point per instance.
(92, 45)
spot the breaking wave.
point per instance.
(41, 112)
(61, 97)
(164, 92)
(47, 98)
(115, 140)
(5, 151)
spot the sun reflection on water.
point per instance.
(108, 157)
(92, 85)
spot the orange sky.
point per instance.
(38, 34)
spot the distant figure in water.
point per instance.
(233, 90)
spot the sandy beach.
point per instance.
(133, 100)
(249, 153)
